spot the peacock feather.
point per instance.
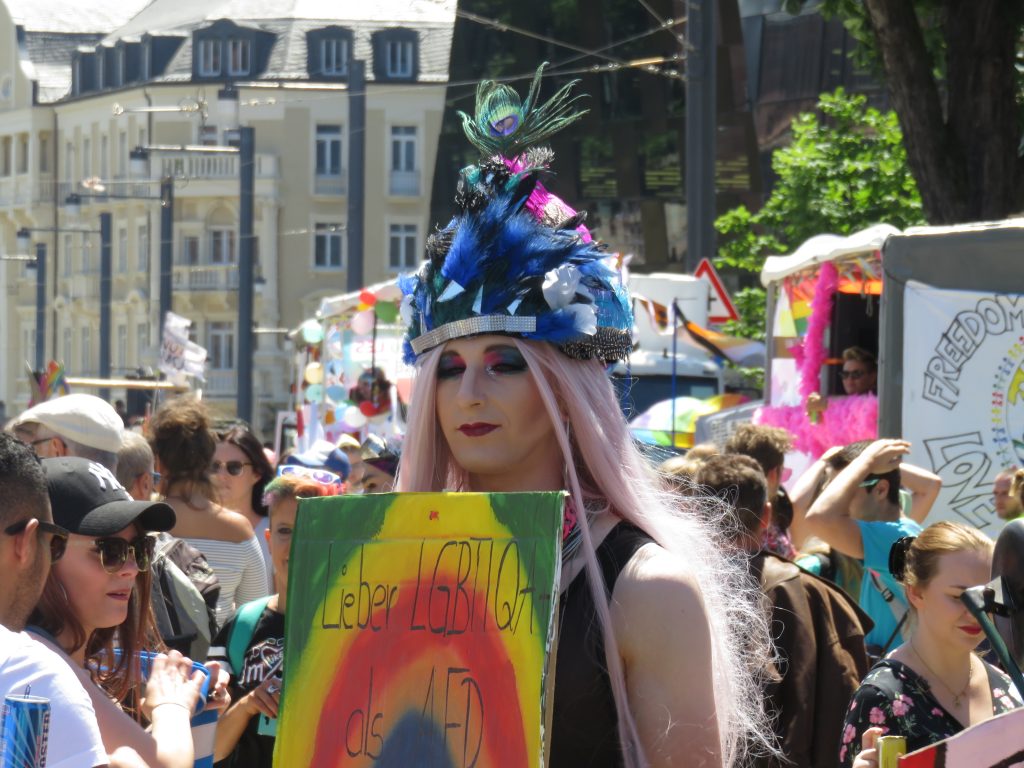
(503, 124)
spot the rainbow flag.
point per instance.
(50, 383)
(420, 630)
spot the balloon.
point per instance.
(312, 332)
(362, 323)
(367, 298)
(314, 393)
(387, 312)
(367, 409)
(329, 416)
(314, 373)
(354, 417)
(336, 393)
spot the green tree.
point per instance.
(955, 74)
(844, 170)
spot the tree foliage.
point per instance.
(955, 75)
(845, 170)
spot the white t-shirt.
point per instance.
(74, 735)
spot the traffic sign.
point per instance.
(721, 309)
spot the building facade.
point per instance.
(71, 118)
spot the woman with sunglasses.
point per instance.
(241, 472)
(96, 600)
(184, 446)
(511, 321)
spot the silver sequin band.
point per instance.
(472, 326)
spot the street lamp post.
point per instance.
(246, 272)
(24, 242)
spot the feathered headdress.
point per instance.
(516, 259)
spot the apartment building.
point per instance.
(79, 91)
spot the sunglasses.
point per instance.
(233, 468)
(852, 375)
(321, 476)
(58, 535)
(114, 552)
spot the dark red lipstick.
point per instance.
(477, 429)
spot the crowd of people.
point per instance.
(707, 616)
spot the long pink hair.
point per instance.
(606, 472)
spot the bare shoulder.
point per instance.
(233, 525)
(657, 595)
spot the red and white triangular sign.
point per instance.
(722, 308)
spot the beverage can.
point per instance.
(24, 731)
(890, 750)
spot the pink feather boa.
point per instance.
(847, 420)
(812, 354)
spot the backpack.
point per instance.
(185, 593)
(242, 631)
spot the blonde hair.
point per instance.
(942, 538)
(605, 473)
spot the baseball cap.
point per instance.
(87, 499)
(85, 419)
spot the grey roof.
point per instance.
(170, 15)
(73, 16)
(288, 57)
(50, 55)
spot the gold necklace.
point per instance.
(956, 696)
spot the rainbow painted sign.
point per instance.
(420, 631)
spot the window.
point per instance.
(143, 249)
(44, 154)
(190, 250)
(5, 160)
(221, 345)
(222, 246)
(85, 256)
(104, 158)
(86, 158)
(208, 135)
(403, 148)
(328, 246)
(402, 248)
(232, 137)
(238, 56)
(67, 347)
(23, 153)
(209, 57)
(85, 351)
(334, 56)
(399, 58)
(122, 154)
(328, 150)
(122, 250)
(69, 161)
(141, 341)
(66, 256)
(122, 346)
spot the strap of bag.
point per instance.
(242, 631)
(890, 599)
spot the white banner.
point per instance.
(963, 393)
(178, 355)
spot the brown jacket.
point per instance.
(819, 636)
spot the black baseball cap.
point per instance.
(87, 499)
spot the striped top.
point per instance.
(240, 569)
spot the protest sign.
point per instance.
(420, 630)
(179, 356)
(994, 743)
(963, 393)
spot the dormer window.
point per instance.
(399, 58)
(239, 56)
(334, 56)
(209, 57)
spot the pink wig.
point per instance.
(604, 471)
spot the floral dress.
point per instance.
(898, 700)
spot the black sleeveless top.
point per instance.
(584, 730)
